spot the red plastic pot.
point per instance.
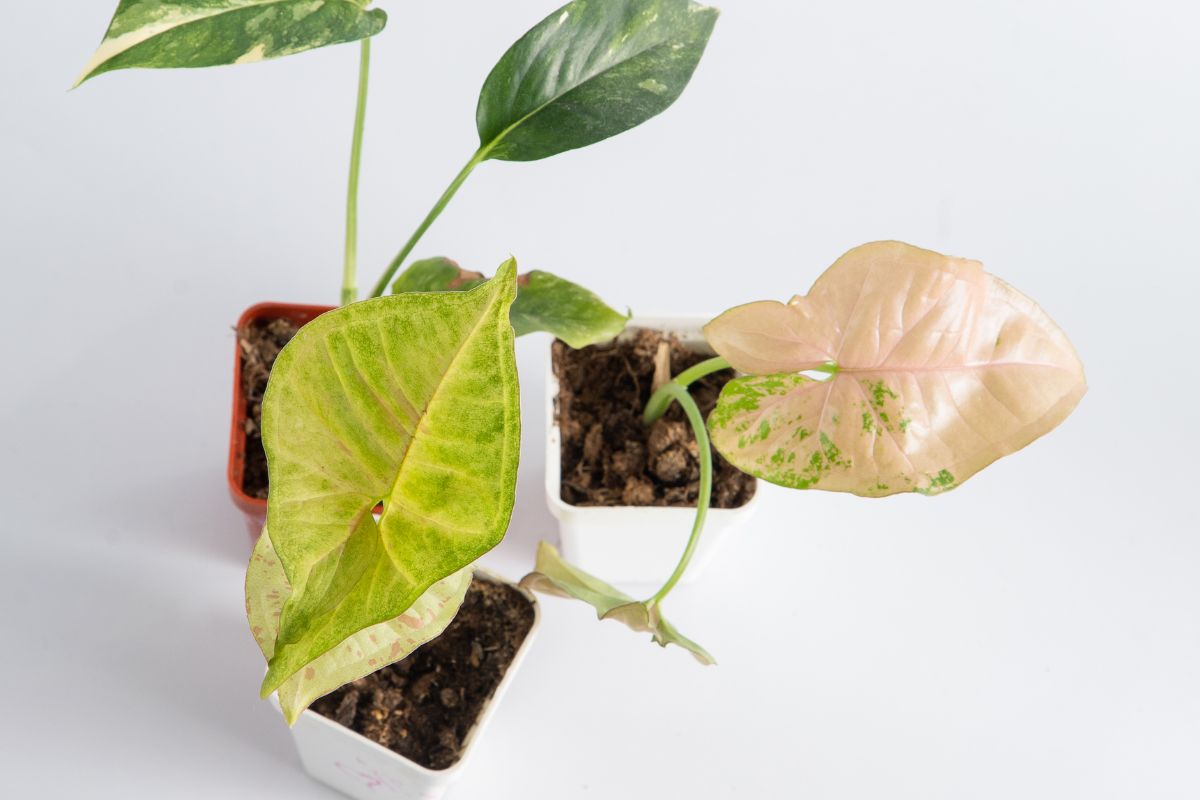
(254, 508)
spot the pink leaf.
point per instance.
(940, 369)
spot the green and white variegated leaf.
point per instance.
(545, 302)
(554, 576)
(938, 369)
(410, 400)
(207, 33)
(359, 655)
(589, 71)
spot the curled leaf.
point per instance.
(545, 302)
(554, 576)
(938, 369)
(589, 71)
(367, 651)
(207, 33)
(437, 274)
(410, 401)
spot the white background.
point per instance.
(1034, 634)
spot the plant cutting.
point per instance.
(902, 370)
(556, 89)
(391, 426)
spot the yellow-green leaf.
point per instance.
(410, 401)
(361, 654)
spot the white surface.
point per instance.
(634, 548)
(1033, 634)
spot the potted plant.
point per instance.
(390, 427)
(621, 491)
(554, 90)
(902, 370)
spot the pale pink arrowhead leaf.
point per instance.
(940, 370)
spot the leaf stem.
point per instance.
(676, 391)
(438, 207)
(350, 265)
(657, 405)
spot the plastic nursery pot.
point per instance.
(358, 767)
(635, 544)
(254, 508)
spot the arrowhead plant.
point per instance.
(902, 370)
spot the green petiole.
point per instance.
(350, 264)
(657, 405)
(675, 390)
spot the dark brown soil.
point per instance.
(260, 342)
(423, 706)
(608, 457)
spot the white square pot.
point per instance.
(635, 544)
(362, 769)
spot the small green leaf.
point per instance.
(589, 71)
(365, 652)
(545, 302)
(207, 33)
(410, 400)
(554, 576)
(437, 274)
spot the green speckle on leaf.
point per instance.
(941, 482)
(879, 393)
(904, 423)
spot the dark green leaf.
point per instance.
(590, 70)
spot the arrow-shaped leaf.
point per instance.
(207, 33)
(938, 369)
(589, 71)
(410, 400)
(365, 652)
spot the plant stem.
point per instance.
(438, 207)
(350, 266)
(657, 405)
(676, 391)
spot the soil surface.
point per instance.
(423, 706)
(608, 457)
(260, 343)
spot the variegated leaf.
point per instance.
(410, 401)
(361, 654)
(206, 33)
(588, 71)
(938, 369)
(554, 576)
